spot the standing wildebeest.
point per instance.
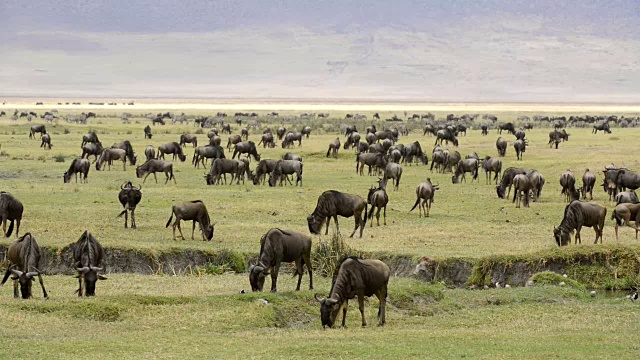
(291, 156)
(226, 129)
(37, 129)
(508, 127)
(233, 140)
(202, 153)
(24, 256)
(501, 145)
(520, 134)
(392, 171)
(332, 203)
(588, 183)
(626, 179)
(522, 186)
(446, 135)
(466, 166)
(568, 183)
(355, 277)
(246, 147)
(220, 167)
(280, 131)
(626, 197)
(171, 148)
(609, 183)
(491, 165)
(352, 140)
(507, 180)
(244, 133)
(623, 213)
(88, 255)
(46, 141)
(576, 215)
(278, 246)
(188, 138)
(92, 149)
(484, 129)
(152, 167)
(425, 193)
(601, 127)
(290, 138)
(147, 132)
(267, 140)
(108, 155)
(78, 166)
(414, 150)
(264, 167)
(129, 197)
(126, 146)
(150, 152)
(10, 209)
(306, 131)
(334, 146)
(375, 160)
(520, 146)
(195, 211)
(283, 168)
(439, 160)
(378, 198)
(91, 137)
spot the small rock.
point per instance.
(565, 276)
(498, 286)
(562, 283)
(530, 283)
(264, 301)
(486, 287)
(592, 293)
(507, 286)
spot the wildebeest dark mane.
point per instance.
(196, 201)
(25, 252)
(85, 248)
(569, 221)
(73, 163)
(337, 271)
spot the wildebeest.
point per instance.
(625, 212)
(126, 146)
(626, 197)
(439, 160)
(520, 134)
(446, 135)
(484, 129)
(37, 129)
(588, 183)
(626, 179)
(507, 180)
(264, 167)
(24, 256)
(88, 256)
(147, 132)
(283, 168)
(278, 246)
(453, 158)
(334, 146)
(221, 167)
(267, 140)
(129, 196)
(90, 137)
(290, 138)
(375, 160)
(188, 138)
(378, 198)
(355, 277)
(306, 131)
(352, 140)
(108, 155)
(576, 215)
(414, 151)
(332, 203)
(501, 145)
(568, 184)
(202, 153)
(601, 127)
(10, 210)
(491, 165)
(349, 129)
(233, 140)
(78, 166)
(466, 166)
(291, 156)
(522, 186)
(508, 127)
(226, 129)
(520, 146)
(425, 193)
(392, 171)
(92, 149)
(244, 133)
(195, 211)
(171, 148)
(154, 165)
(280, 131)
(246, 147)
(150, 152)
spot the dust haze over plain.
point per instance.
(467, 51)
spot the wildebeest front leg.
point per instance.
(15, 289)
(361, 307)
(385, 216)
(274, 278)
(133, 219)
(44, 291)
(193, 229)
(125, 217)
(345, 306)
(80, 286)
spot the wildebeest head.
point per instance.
(561, 236)
(208, 231)
(329, 309)
(25, 280)
(90, 276)
(66, 177)
(257, 275)
(315, 223)
(500, 191)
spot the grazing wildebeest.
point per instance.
(522, 186)
(280, 132)
(355, 277)
(601, 127)
(37, 129)
(352, 140)
(126, 146)
(576, 215)
(264, 167)
(24, 256)
(150, 152)
(188, 138)
(349, 129)
(429, 129)
(306, 131)
(508, 127)
(568, 184)
(332, 203)
(290, 138)
(147, 132)
(291, 156)
(129, 196)
(370, 138)
(376, 160)
(152, 167)
(414, 150)
(221, 167)
(377, 198)
(78, 166)
(226, 129)
(278, 246)
(528, 126)
(10, 210)
(233, 140)
(625, 212)
(520, 146)
(395, 155)
(501, 145)
(392, 171)
(334, 146)
(466, 166)
(202, 153)
(46, 141)
(626, 179)
(507, 180)
(91, 137)
(439, 160)
(491, 165)
(171, 148)
(108, 155)
(484, 129)
(283, 168)
(425, 193)
(446, 135)
(626, 197)
(267, 140)
(588, 183)
(92, 149)
(88, 256)
(453, 158)
(246, 147)
(195, 211)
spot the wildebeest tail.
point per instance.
(364, 220)
(10, 228)
(124, 211)
(615, 216)
(170, 218)
(328, 151)
(414, 205)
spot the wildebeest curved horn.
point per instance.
(17, 273)
(95, 268)
(31, 274)
(315, 296)
(83, 270)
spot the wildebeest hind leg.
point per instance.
(125, 218)
(385, 215)
(133, 219)
(193, 229)
(361, 307)
(378, 216)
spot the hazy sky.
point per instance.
(419, 50)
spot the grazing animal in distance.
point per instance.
(466, 166)
(576, 215)
(507, 180)
(126, 146)
(188, 139)
(332, 203)
(334, 146)
(129, 196)
(520, 146)
(233, 140)
(171, 148)
(355, 277)
(92, 149)
(392, 171)
(522, 186)
(425, 193)
(37, 129)
(150, 152)
(78, 166)
(46, 141)
(10, 210)
(306, 131)
(491, 165)
(147, 132)
(378, 198)
(90, 137)
(282, 169)
(623, 213)
(278, 246)
(568, 183)
(264, 167)
(88, 255)
(108, 155)
(501, 145)
(588, 183)
(195, 211)
(24, 258)
(153, 166)
(246, 147)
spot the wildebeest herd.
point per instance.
(384, 157)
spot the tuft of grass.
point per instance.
(42, 158)
(200, 131)
(551, 278)
(327, 255)
(66, 131)
(58, 158)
